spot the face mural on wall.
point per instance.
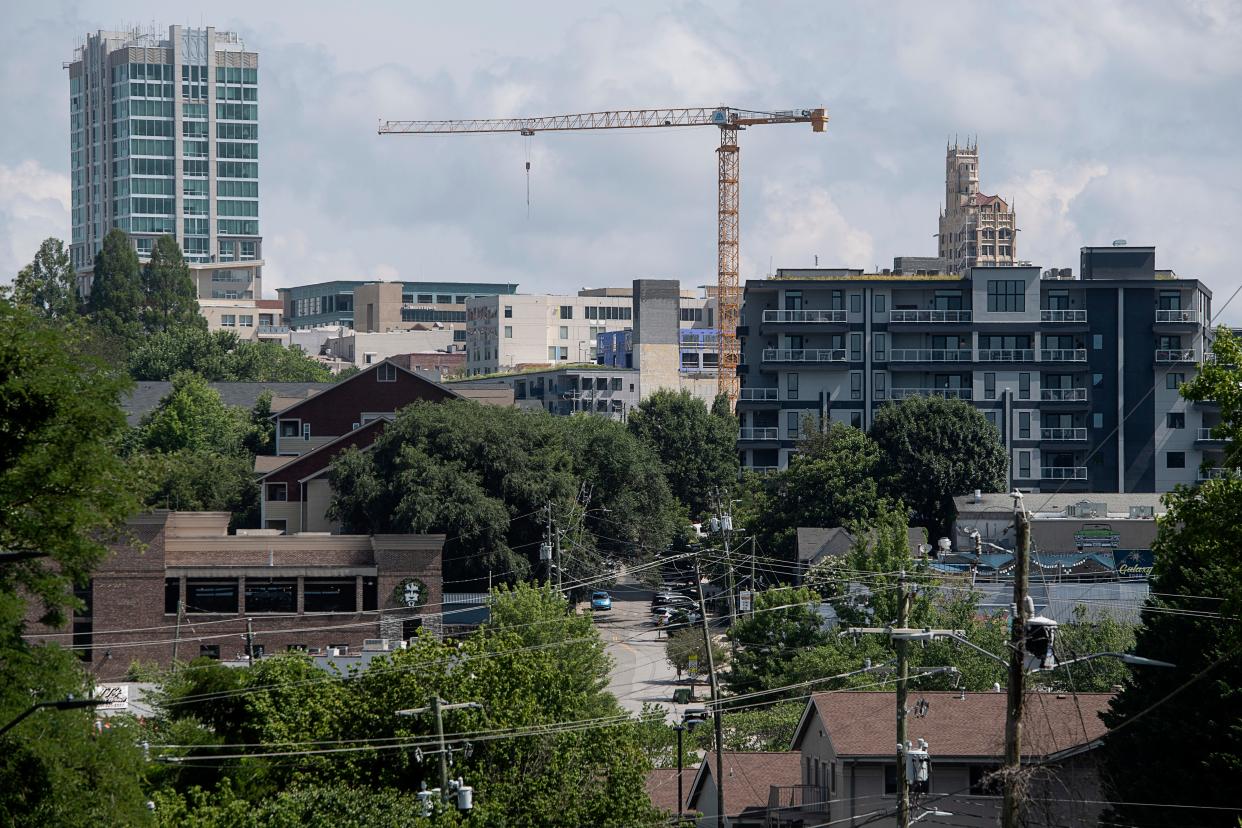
(410, 593)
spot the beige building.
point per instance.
(260, 319)
(976, 230)
(362, 349)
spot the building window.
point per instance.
(1006, 296)
(563, 354)
(211, 595)
(508, 332)
(791, 386)
(856, 419)
(271, 595)
(793, 420)
(368, 358)
(1097, 420)
(564, 332)
(1024, 425)
(1097, 380)
(329, 595)
(567, 312)
(306, 428)
(880, 344)
(856, 303)
(228, 320)
(856, 347)
(370, 594)
(552, 352)
(211, 651)
(989, 386)
(879, 303)
(890, 779)
(387, 372)
(1024, 465)
(172, 595)
(508, 311)
(991, 417)
(856, 385)
(1175, 460)
(878, 382)
(277, 492)
(1175, 419)
(1024, 386)
(1174, 381)
(1097, 341)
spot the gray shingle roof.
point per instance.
(147, 395)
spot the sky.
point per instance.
(1098, 120)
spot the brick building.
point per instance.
(184, 587)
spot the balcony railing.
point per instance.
(930, 316)
(1063, 394)
(1063, 316)
(1206, 434)
(761, 394)
(765, 469)
(804, 355)
(758, 434)
(1063, 473)
(1006, 355)
(945, 393)
(1177, 355)
(1214, 473)
(930, 355)
(804, 316)
(1063, 355)
(1063, 434)
(1190, 316)
(273, 330)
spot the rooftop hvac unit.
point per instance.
(374, 644)
(1088, 509)
(1137, 512)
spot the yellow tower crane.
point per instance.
(729, 121)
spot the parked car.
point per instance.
(670, 599)
(601, 601)
(671, 618)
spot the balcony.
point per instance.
(757, 434)
(1205, 436)
(1073, 317)
(804, 355)
(764, 469)
(1063, 394)
(1006, 355)
(804, 317)
(760, 394)
(1063, 355)
(1063, 473)
(1177, 355)
(1214, 473)
(929, 317)
(930, 355)
(1063, 435)
(273, 330)
(1177, 317)
(944, 393)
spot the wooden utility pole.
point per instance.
(250, 641)
(177, 634)
(903, 680)
(1010, 814)
(437, 708)
(711, 676)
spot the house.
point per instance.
(749, 778)
(845, 745)
(177, 585)
(311, 432)
(817, 543)
(662, 787)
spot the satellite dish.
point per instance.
(1119, 242)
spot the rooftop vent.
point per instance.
(1087, 509)
(1139, 512)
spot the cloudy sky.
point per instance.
(1100, 120)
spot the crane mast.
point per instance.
(728, 120)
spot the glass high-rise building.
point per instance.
(164, 139)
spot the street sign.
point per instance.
(115, 696)
(743, 601)
(692, 664)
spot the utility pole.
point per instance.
(725, 518)
(903, 680)
(1017, 668)
(545, 549)
(437, 708)
(711, 676)
(250, 641)
(177, 634)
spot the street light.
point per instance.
(63, 704)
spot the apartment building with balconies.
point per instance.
(1079, 375)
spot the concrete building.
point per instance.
(1080, 376)
(385, 306)
(297, 592)
(976, 230)
(164, 140)
(360, 349)
(919, 265)
(574, 389)
(259, 319)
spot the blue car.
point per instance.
(601, 601)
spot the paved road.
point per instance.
(640, 673)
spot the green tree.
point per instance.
(197, 480)
(193, 416)
(221, 356)
(785, 621)
(1188, 746)
(697, 446)
(831, 481)
(116, 298)
(688, 641)
(63, 487)
(170, 298)
(935, 449)
(49, 284)
(1218, 381)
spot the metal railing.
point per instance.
(1046, 315)
(804, 316)
(930, 316)
(1063, 355)
(1206, 434)
(758, 434)
(1063, 473)
(804, 355)
(1063, 434)
(764, 469)
(273, 330)
(760, 394)
(930, 355)
(946, 393)
(1214, 473)
(1006, 355)
(1177, 355)
(1191, 316)
(1063, 394)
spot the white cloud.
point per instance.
(34, 204)
(1044, 200)
(797, 224)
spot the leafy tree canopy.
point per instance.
(62, 485)
(697, 446)
(116, 295)
(48, 284)
(170, 298)
(192, 416)
(935, 449)
(221, 357)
